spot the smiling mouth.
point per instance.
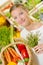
(22, 22)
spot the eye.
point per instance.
(15, 17)
(21, 13)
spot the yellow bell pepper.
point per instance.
(2, 20)
(11, 63)
(17, 35)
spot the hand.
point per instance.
(39, 48)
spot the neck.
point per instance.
(28, 24)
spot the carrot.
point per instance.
(7, 56)
(13, 55)
(14, 52)
(7, 7)
(10, 51)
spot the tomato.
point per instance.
(24, 53)
(21, 47)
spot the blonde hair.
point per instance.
(17, 5)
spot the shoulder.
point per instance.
(34, 25)
(38, 24)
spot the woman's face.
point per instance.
(20, 15)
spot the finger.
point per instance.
(36, 49)
(36, 46)
(39, 52)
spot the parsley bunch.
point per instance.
(33, 39)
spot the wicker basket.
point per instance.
(28, 49)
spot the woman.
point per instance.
(20, 14)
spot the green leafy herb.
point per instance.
(31, 3)
(37, 14)
(0, 62)
(18, 1)
(33, 39)
(4, 36)
(26, 59)
(8, 14)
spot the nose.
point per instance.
(21, 18)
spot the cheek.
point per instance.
(23, 15)
(18, 20)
